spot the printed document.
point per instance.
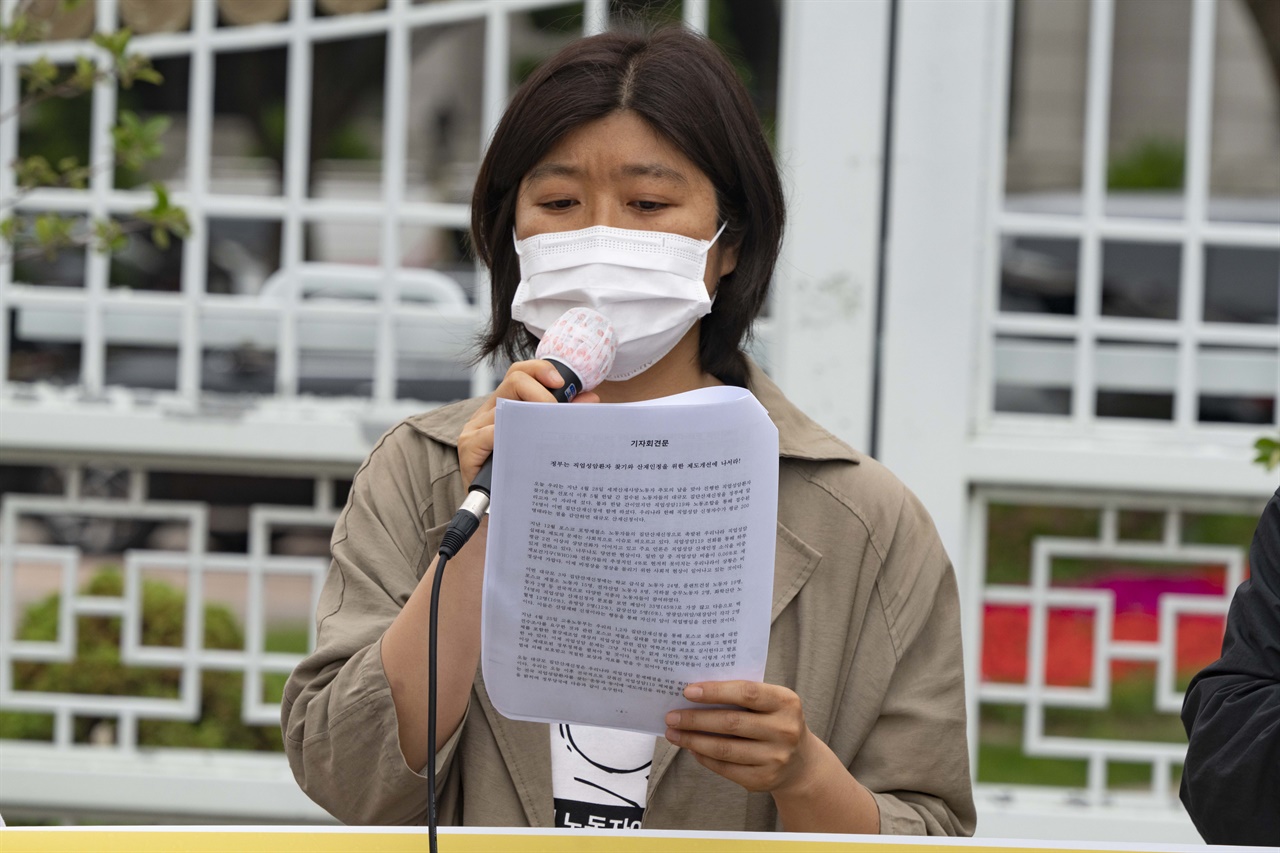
(630, 553)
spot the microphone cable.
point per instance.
(581, 347)
(465, 523)
(460, 530)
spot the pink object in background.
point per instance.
(583, 340)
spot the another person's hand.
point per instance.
(525, 380)
(763, 743)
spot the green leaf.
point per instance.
(1268, 452)
(23, 28)
(85, 75)
(165, 218)
(162, 205)
(155, 127)
(8, 229)
(136, 67)
(53, 232)
(138, 142)
(149, 75)
(72, 174)
(35, 171)
(109, 236)
(114, 43)
(40, 75)
(179, 225)
(1151, 164)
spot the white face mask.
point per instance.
(649, 284)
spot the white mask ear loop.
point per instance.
(718, 233)
(709, 245)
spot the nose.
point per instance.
(604, 208)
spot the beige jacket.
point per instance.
(866, 629)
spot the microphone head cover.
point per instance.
(583, 340)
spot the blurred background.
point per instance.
(1033, 265)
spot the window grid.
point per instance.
(286, 433)
(1087, 328)
(1040, 596)
(98, 316)
(192, 658)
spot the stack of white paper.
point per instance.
(630, 553)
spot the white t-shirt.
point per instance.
(599, 777)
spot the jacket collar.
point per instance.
(799, 437)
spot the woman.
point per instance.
(859, 723)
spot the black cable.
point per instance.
(432, 819)
(465, 522)
(882, 260)
(459, 531)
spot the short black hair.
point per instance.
(682, 85)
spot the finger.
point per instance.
(728, 750)
(730, 722)
(524, 380)
(538, 369)
(587, 397)
(531, 388)
(473, 451)
(753, 695)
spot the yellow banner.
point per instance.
(205, 840)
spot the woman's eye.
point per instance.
(647, 205)
(559, 204)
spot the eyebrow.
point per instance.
(654, 170)
(551, 170)
(631, 170)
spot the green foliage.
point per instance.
(272, 119)
(129, 68)
(109, 236)
(1152, 164)
(45, 79)
(346, 142)
(58, 130)
(58, 127)
(23, 29)
(137, 141)
(165, 219)
(1268, 452)
(558, 19)
(36, 171)
(1011, 529)
(98, 670)
(114, 43)
(85, 74)
(40, 76)
(1131, 716)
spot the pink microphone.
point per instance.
(581, 346)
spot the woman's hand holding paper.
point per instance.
(764, 744)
